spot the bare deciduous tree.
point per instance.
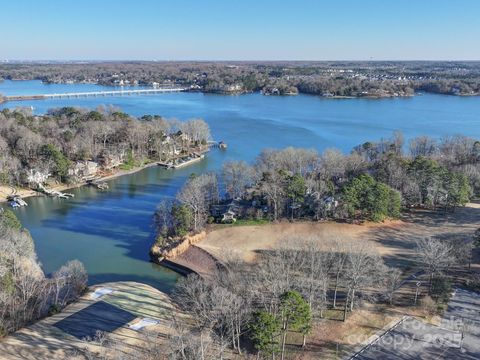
(237, 176)
(198, 194)
(436, 256)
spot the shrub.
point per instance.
(428, 306)
(54, 309)
(441, 289)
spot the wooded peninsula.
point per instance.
(73, 145)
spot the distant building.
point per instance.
(225, 213)
(83, 170)
(110, 161)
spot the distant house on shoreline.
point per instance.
(225, 213)
(83, 170)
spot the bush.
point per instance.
(3, 332)
(54, 309)
(473, 284)
(129, 163)
(160, 240)
(10, 220)
(441, 289)
(428, 306)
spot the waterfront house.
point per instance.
(82, 170)
(330, 203)
(225, 213)
(109, 161)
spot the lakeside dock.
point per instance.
(183, 162)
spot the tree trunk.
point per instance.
(430, 283)
(275, 211)
(283, 343)
(345, 308)
(221, 346)
(238, 337)
(351, 301)
(234, 344)
(201, 346)
(336, 288)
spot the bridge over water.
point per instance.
(93, 93)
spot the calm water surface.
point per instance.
(110, 232)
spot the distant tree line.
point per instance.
(355, 79)
(26, 294)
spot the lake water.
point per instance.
(111, 232)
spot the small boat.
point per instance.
(168, 165)
(102, 186)
(17, 200)
(20, 201)
(14, 204)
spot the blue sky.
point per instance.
(240, 29)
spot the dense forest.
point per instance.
(329, 79)
(69, 144)
(374, 182)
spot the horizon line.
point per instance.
(3, 61)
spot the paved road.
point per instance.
(458, 337)
(463, 313)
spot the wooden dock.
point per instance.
(217, 144)
(97, 183)
(183, 163)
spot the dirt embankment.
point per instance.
(196, 260)
(6, 191)
(184, 257)
(176, 248)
